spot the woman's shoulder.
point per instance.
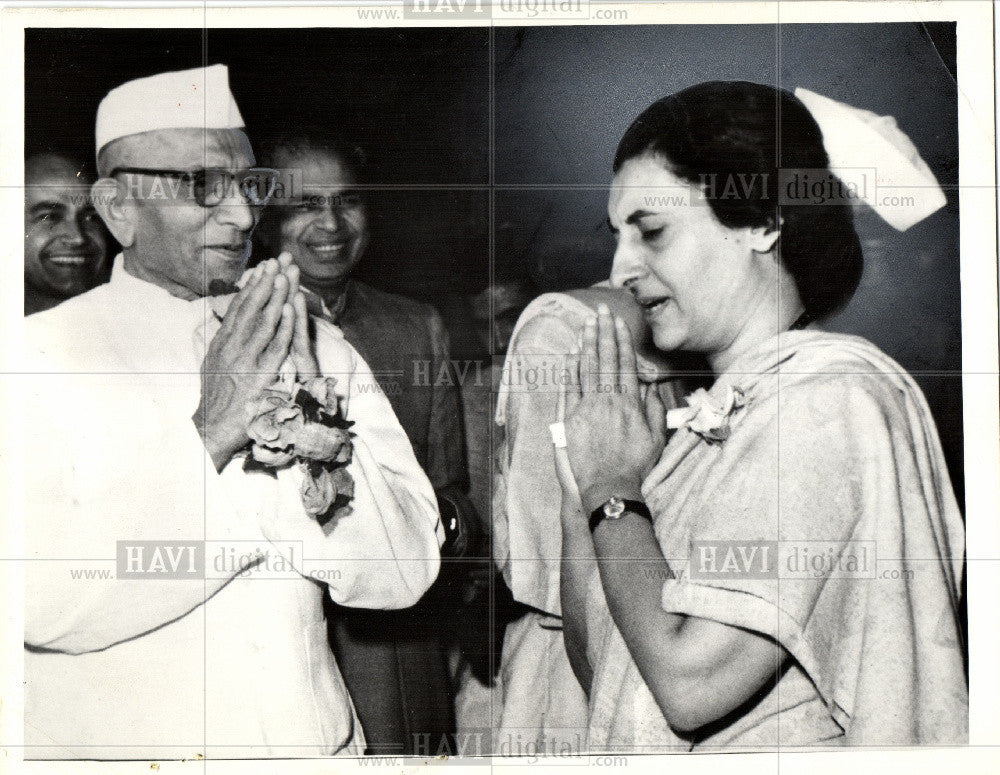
(813, 357)
(848, 351)
(820, 357)
(829, 374)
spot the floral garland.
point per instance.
(296, 422)
(303, 425)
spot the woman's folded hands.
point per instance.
(613, 436)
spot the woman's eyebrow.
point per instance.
(638, 215)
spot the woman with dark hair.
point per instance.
(778, 563)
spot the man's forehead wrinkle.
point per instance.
(54, 187)
(182, 149)
(53, 192)
(125, 151)
(52, 184)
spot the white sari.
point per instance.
(834, 455)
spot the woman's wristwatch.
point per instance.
(616, 508)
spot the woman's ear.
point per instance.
(763, 238)
(117, 213)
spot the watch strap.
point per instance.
(598, 515)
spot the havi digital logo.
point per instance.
(446, 9)
(498, 9)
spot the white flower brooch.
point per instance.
(705, 417)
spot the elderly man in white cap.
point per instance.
(208, 637)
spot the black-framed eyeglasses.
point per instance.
(210, 186)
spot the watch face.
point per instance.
(614, 508)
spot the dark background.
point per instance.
(420, 102)
(416, 100)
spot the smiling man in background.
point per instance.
(65, 245)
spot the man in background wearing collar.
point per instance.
(137, 421)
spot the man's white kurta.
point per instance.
(146, 667)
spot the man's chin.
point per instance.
(67, 286)
(227, 257)
(64, 290)
(324, 276)
(223, 268)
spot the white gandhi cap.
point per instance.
(198, 98)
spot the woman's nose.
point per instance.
(627, 266)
